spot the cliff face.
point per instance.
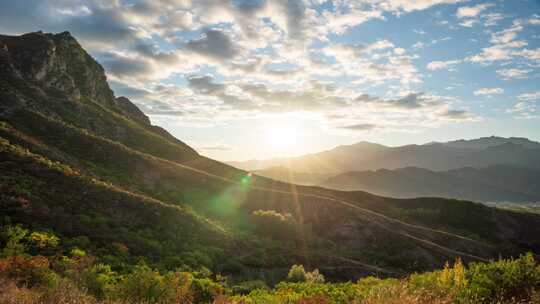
(53, 75)
(56, 62)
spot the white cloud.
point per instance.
(339, 23)
(535, 19)
(440, 65)
(513, 73)
(527, 106)
(529, 96)
(488, 91)
(470, 15)
(492, 19)
(472, 11)
(468, 22)
(504, 46)
(398, 6)
(532, 55)
(374, 63)
(418, 45)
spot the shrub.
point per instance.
(503, 279)
(143, 284)
(29, 271)
(100, 280)
(297, 273)
(43, 239)
(13, 237)
(315, 277)
(205, 290)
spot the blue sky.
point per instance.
(244, 79)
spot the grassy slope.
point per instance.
(45, 194)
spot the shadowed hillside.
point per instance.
(489, 184)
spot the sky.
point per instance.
(257, 79)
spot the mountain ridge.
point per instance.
(479, 152)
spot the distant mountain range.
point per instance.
(488, 169)
(481, 152)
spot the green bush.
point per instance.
(143, 284)
(12, 237)
(499, 280)
(100, 281)
(297, 273)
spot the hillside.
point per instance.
(83, 164)
(488, 184)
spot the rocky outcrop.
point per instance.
(53, 75)
(56, 62)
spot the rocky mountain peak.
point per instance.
(56, 62)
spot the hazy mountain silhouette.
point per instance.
(363, 156)
(501, 183)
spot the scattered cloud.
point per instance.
(527, 106)
(214, 44)
(529, 96)
(359, 127)
(506, 47)
(401, 6)
(508, 74)
(409, 101)
(472, 11)
(457, 115)
(488, 91)
(442, 65)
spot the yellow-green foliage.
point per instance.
(503, 281)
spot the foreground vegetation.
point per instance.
(39, 267)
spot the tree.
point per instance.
(297, 273)
(13, 236)
(315, 277)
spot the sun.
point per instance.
(281, 137)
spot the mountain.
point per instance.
(434, 156)
(499, 183)
(79, 162)
(492, 141)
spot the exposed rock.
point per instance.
(57, 62)
(53, 74)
